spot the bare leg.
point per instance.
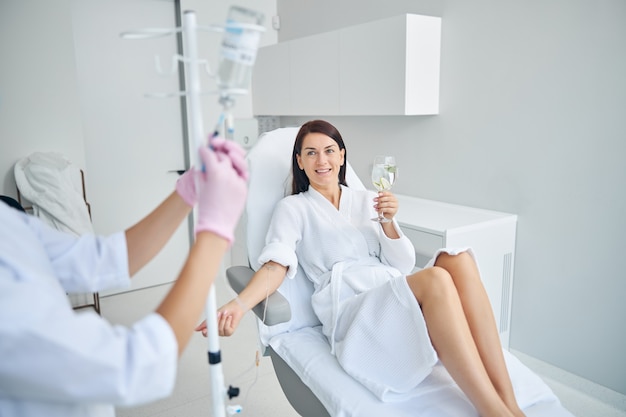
(481, 321)
(451, 336)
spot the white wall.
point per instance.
(533, 98)
(70, 84)
(39, 102)
(73, 86)
(133, 144)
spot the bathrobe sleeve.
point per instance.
(283, 235)
(398, 253)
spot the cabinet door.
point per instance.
(271, 81)
(386, 67)
(494, 247)
(425, 243)
(372, 68)
(314, 74)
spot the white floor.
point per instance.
(260, 392)
(261, 395)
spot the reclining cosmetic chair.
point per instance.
(310, 376)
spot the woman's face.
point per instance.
(321, 159)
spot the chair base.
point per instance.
(298, 394)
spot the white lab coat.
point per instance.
(55, 361)
(370, 316)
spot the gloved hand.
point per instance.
(221, 188)
(186, 187)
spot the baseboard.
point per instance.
(586, 387)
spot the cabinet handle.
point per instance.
(178, 171)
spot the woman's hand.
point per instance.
(202, 328)
(228, 318)
(387, 202)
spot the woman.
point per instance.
(386, 326)
(57, 362)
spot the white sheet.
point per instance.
(308, 354)
(52, 184)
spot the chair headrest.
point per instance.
(269, 163)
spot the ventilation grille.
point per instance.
(507, 271)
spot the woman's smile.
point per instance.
(321, 159)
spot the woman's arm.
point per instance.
(396, 249)
(145, 239)
(390, 230)
(184, 303)
(225, 176)
(388, 203)
(262, 284)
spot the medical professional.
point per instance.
(57, 362)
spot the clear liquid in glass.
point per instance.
(384, 173)
(383, 176)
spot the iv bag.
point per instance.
(239, 48)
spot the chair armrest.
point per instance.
(278, 310)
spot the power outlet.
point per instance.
(246, 132)
(268, 123)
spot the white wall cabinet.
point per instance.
(385, 67)
(432, 225)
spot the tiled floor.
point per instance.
(261, 395)
(260, 392)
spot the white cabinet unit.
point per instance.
(385, 67)
(432, 225)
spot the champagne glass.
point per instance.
(383, 176)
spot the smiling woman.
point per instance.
(321, 160)
(325, 140)
(366, 294)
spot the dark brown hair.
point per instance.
(300, 180)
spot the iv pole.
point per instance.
(197, 136)
(197, 139)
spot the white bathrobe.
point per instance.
(369, 314)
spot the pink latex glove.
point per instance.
(222, 188)
(186, 183)
(186, 187)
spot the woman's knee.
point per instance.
(431, 282)
(448, 261)
(461, 267)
